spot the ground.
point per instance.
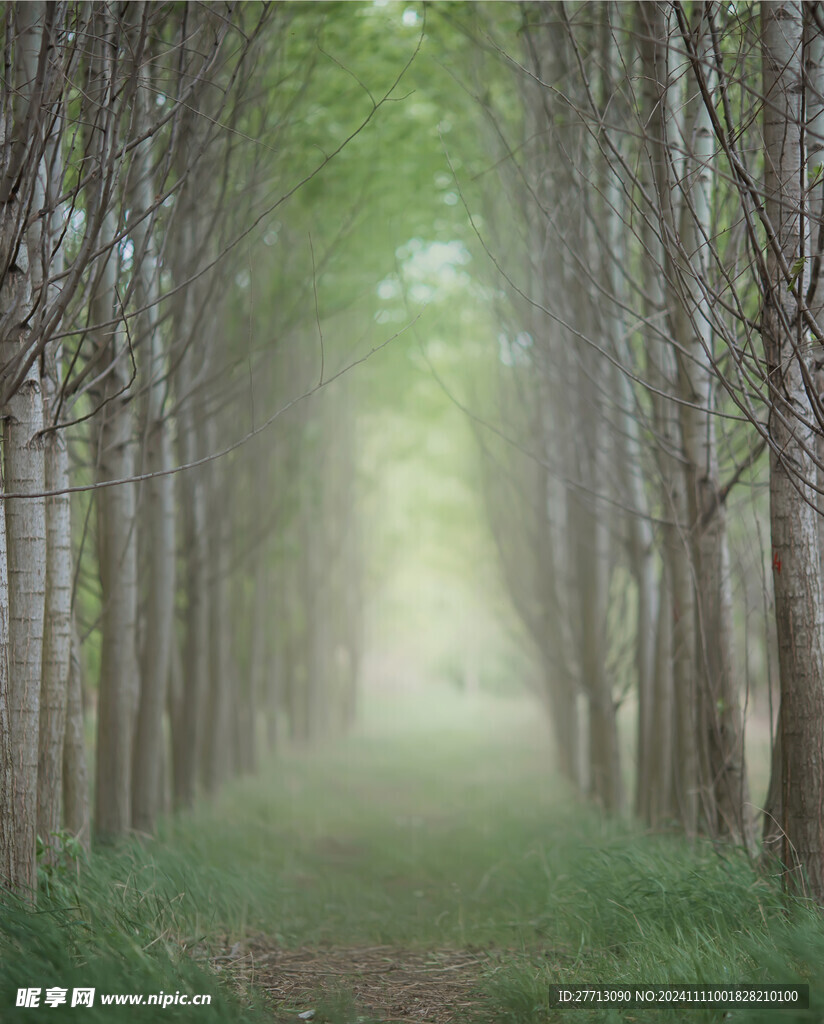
(380, 982)
(431, 867)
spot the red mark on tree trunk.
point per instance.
(776, 562)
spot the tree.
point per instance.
(23, 456)
(794, 822)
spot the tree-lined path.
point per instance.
(461, 355)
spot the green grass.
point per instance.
(433, 827)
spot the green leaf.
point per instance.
(795, 272)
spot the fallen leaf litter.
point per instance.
(378, 983)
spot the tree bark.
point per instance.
(76, 810)
(57, 638)
(24, 471)
(662, 119)
(659, 803)
(115, 505)
(590, 540)
(795, 822)
(117, 558)
(46, 235)
(724, 785)
(158, 513)
(9, 863)
(218, 752)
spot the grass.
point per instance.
(437, 826)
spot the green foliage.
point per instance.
(796, 271)
(112, 927)
(56, 871)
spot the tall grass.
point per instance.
(436, 829)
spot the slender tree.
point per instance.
(794, 821)
(23, 456)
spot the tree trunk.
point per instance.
(24, 471)
(724, 786)
(658, 806)
(640, 539)
(117, 559)
(189, 722)
(57, 640)
(814, 96)
(158, 514)
(46, 234)
(9, 863)
(220, 732)
(661, 117)
(76, 811)
(562, 704)
(189, 718)
(114, 440)
(590, 539)
(795, 822)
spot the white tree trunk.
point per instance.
(57, 638)
(26, 553)
(45, 236)
(24, 471)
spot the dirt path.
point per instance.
(376, 983)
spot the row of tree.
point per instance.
(161, 559)
(180, 540)
(662, 332)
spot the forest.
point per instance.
(411, 509)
